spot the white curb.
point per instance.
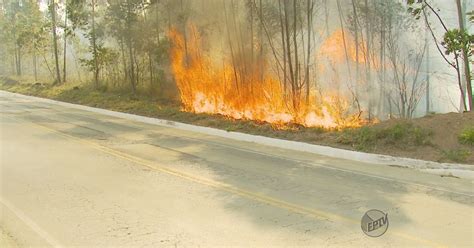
(446, 169)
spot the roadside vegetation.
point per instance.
(403, 135)
(467, 136)
(440, 137)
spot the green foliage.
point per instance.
(22, 26)
(402, 135)
(455, 155)
(467, 136)
(455, 41)
(471, 16)
(78, 13)
(415, 7)
(105, 56)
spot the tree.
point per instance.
(457, 42)
(16, 29)
(122, 18)
(66, 33)
(52, 9)
(408, 87)
(38, 34)
(82, 14)
(292, 22)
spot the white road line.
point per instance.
(30, 223)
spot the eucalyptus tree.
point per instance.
(15, 30)
(38, 36)
(83, 16)
(288, 27)
(123, 17)
(53, 14)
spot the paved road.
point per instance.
(75, 178)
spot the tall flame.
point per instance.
(207, 88)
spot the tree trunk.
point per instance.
(157, 24)
(283, 45)
(309, 6)
(35, 65)
(150, 68)
(130, 49)
(467, 72)
(65, 43)
(132, 66)
(251, 37)
(15, 50)
(184, 33)
(94, 48)
(367, 57)
(234, 65)
(288, 51)
(381, 104)
(356, 37)
(427, 93)
(19, 61)
(55, 41)
(124, 60)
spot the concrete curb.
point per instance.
(444, 169)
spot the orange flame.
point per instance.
(207, 88)
(341, 42)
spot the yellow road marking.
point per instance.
(318, 214)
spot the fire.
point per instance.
(206, 87)
(336, 45)
(342, 41)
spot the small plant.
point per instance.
(467, 136)
(402, 135)
(422, 136)
(366, 139)
(363, 139)
(455, 155)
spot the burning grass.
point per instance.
(249, 93)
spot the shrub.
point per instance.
(467, 136)
(456, 155)
(402, 135)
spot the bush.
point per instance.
(402, 135)
(456, 155)
(467, 136)
(363, 139)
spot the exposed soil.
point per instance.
(443, 137)
(434, 137)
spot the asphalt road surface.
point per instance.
(76, 178)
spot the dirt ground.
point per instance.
(443, 139)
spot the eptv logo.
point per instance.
(374, 223)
